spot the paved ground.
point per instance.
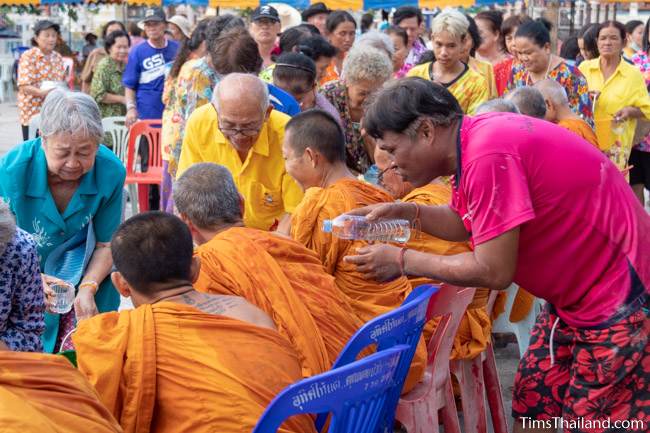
(10, 133)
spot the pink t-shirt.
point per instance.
(584, 242)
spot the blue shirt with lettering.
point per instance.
(145, 73)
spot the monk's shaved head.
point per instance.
(319, 131)
(153, 248)
(529, 101)
(553, 91)
(242, 90)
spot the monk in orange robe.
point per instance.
(473, 334)
(182, 361)
(558, 111)
(44, 393)
(314, 152)
(275, 273)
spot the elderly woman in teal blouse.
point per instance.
(65, 189)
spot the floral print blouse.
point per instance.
(22, 305)
(641, 60)
(569, 77)
(108, 79)
(35, 67)
(193, 88)
(357, 157)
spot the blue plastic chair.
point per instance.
(400, 326)
(356, 395)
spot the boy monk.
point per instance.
(273, 272)
(44, 393)
(182, 361)
(314, 153)
(558, 110)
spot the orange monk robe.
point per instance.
(581, 128)
(473, 334)
(368, 298)
(43, 393)
(168, 367)
(288, 282)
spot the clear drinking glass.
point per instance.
(63, 298)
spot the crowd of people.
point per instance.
(513, 162)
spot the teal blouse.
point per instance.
(23, 184)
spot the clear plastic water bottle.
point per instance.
(358, 227)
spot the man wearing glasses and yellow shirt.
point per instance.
(241, 131)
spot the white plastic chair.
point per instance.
(34, 126)
(116, 127)
(6, 84)
(522, 328)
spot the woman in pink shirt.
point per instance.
(545, 209)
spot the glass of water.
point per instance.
(63, 298)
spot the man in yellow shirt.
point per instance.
(241, 131)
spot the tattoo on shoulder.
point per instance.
(188, 299)
(217, 304)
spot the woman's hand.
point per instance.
(84, 304)
(405, 211)
(627, 113)
(380, 262)
(49, 293)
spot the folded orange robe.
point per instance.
(169, 367)
(43, 393)
(368, 298)
(288, 282)
(581, 128)
(473, 334)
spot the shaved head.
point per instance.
(244, 90)
(553, 91)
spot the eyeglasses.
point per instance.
(246, 132)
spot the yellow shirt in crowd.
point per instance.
(268, 190)
(470, 89)
(487, 71)
(626, 87)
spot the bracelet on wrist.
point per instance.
(92, 285)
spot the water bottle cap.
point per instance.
(327, 226)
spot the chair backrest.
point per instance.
(450, 304)
(400, 326)
(356, 395)
(116, 128)
(150, 129)
(34, 126)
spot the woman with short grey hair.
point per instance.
(365, 70)
(65, 189)
(377, 39)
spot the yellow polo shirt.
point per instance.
(626, 87)
(268, 190)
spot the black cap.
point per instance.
(44, 25)
(315, 9)
(266, 11)
(154, 14)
